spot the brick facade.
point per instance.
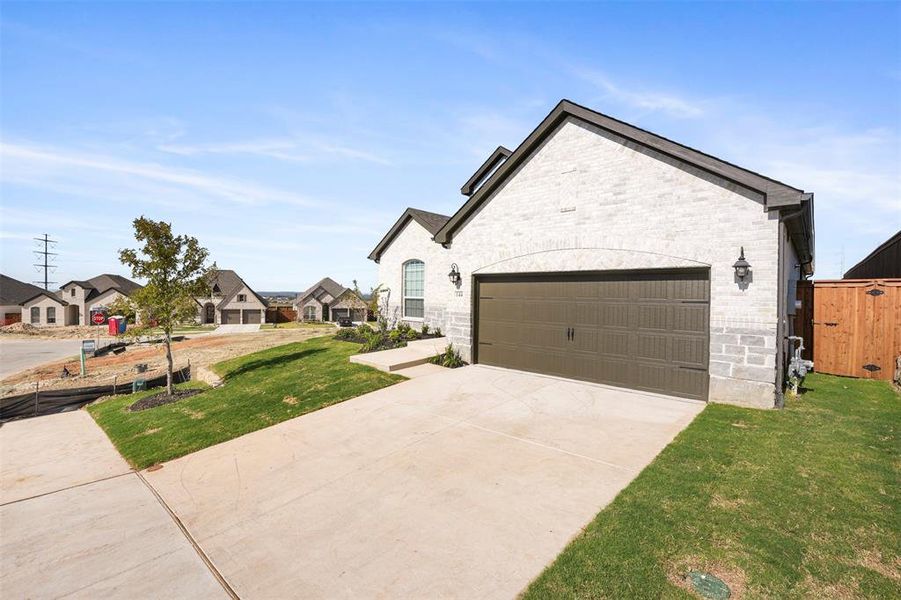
(587, 200)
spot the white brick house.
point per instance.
(587, 200)
(230, 301)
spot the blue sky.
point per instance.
(288, 137)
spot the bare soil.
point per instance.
(200, 351)
(68, 332)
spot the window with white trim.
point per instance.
(414, 289)
(51, 314)
(35, 314)
(309, 313)
(242, 297)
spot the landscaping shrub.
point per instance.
(450, 358)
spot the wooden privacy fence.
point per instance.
(280, 314)
(852, 326)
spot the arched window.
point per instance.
(414, 289)
(309, 313)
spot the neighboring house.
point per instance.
(94, 294)
(882, 263)
(230, 302)
(602, 252)
(328, 300)
(26, 303)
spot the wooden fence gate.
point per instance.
(855, 326)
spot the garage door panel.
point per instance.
(644, 330)
(651, 347)
(689, 351)
(545, 311)
(614, 315)
(252, 316)
(690, 318)
(651, 317)
(614, 343)
(231, 317)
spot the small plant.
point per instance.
(425, 330)
(437, 332)
(450, 358)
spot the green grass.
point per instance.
(260, 390)
(798, 503)
(296, 325)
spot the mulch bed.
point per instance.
(161, 399)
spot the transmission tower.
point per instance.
(46, 257)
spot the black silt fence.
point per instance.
(48, 402)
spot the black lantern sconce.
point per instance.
(741, 266)
(454, 275)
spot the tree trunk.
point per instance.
(168, 363)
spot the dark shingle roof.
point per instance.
(332, 287)
(13, 291)
(227, 283)
(432, 222)
(104, 283)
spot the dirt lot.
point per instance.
(76, 332)
(200, 351)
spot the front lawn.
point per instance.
(260, 390)
(798, 503)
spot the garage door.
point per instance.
(646, 330)
(231, 317)
(251, 316)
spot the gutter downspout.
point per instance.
(782, 321)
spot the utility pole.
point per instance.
(45, 256)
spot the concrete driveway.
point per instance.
(19, 355)
(78, 522)
(462, 484)
(233, 329)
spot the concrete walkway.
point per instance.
(413, 354)
(78, 522)
(459, 484)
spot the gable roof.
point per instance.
(432, 222)
(883, 262)
(776, 194)
(326, 284)
(103, 283)
(229, 283)
(15, 292)
(496, 158)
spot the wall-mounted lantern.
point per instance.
(454, 275)
(741, 266)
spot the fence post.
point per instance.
(36, 387)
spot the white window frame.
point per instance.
(311, 310)
(242, 297)
(51, 319)
(35, 312)
(405, 296)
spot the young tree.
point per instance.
(175, 269)
(123, 305)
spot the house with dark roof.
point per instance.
(882, 263)
(328, 300)
(24, 302)
(95, 294)
(602, 252)
(230, 301)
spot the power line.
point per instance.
(46, 257)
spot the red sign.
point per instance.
(98, 318)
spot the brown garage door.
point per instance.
(646, 330)
(231, 317)
(251, 316)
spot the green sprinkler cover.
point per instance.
(708, 585)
